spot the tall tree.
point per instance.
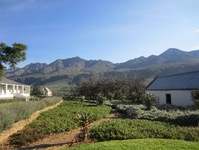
(11, 55)
(37, 91)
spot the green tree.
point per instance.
(37, 91)
(11, 55)
(100, 88)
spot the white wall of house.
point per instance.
(178, 97)
(47, 91)
(12, 90)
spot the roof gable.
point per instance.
(182, 81)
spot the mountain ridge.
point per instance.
(70, 70)
(170, 55)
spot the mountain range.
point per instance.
(61, 73)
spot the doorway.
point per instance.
(168, 98)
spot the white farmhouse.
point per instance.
(175, 89)
(10, 89)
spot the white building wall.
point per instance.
(10, 91)
(178, 97)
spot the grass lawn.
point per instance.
(140, 144)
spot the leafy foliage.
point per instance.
(149, 100)
(11, 55)
(83, 120)
(62, 118)
(121, 129)
(37, 91)
(100, 87)
(165, 113)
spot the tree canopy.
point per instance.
(37, 91)
(11, 55)
(129, 88)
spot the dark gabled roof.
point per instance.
(182, 81)
(8, 81)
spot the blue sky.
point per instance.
(113, 30)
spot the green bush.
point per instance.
(122, 108)
(16, 111)
(169, 107)
(166, 113)
(121, 129)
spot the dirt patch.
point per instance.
(21, 124)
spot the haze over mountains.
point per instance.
(63, 72)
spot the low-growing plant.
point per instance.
(166, 113)
(26, 136)
(120, 129)
(62, 118)
(12, 100)
(122, 108)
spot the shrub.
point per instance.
(101, 99)
(16, 111)
(138, 129)
(187, 120)
(165, 113)
(149, 100)
(26, 136)
(12, 100)
(83, 120)
(122, 108)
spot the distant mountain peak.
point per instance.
(77, 65)
(171, 51)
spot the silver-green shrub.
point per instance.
(122, 108)
(16, 111)
(165, 113)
